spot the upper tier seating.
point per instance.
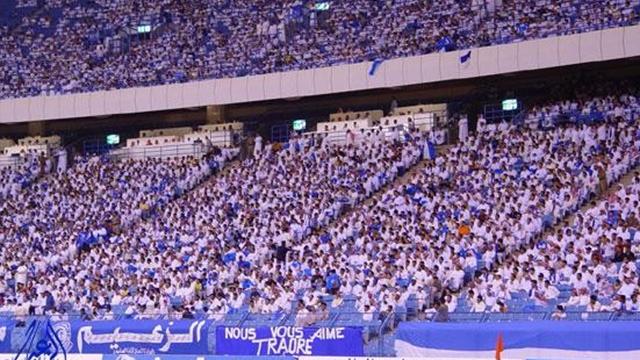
(76, 46)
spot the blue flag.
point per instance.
(431, 150)
(464, 58)
(374, 66)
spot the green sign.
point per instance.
(144, 29)
(113, 139)
(323, 6)
(299, 125)
(510, 104)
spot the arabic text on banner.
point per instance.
(139, 337)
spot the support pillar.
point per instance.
(216, 114)
(36, 128)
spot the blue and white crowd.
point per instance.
(18, 176)
(461, 221)
(305, 225)
(72, 46)
(577, 166)
(231, 244)
(45, 226)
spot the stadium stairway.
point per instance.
(624, 180)
(232, 164)
(379, 339)
(402, 180)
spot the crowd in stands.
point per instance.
(308, 227)
(579, 165)
(46, 224)
(242, 240)
(551, 271)
(464, 213)
(72, 46)
(587, 110)
(20, 175)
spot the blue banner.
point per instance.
(37, 339)
(138, 337)
(521, 339)
(285, 340)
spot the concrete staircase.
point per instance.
(402, 180)
(624, 180)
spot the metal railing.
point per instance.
(160, 151)
(541, 315)
(10, 161)
(333, 317)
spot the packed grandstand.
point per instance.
(70, 46)
(311, 233)
(373, 224)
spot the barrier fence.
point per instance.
(10, 161)
(160, 151)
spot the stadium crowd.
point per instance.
(537, 265)
(72, 46)
(46, 224)
(589, 265)
(16, 177)
(232, 237)
(304, 226)
(541, 273)
(465, 213)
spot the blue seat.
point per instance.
(588, 316)
(564, 287)
(176, 301)
(355, 319)
(529, 307)
(466, 317)
(626, 316)
(199, 314)
(327, 298)
(502, 317)
(263, 319)
(401, 313)
(605, 300)
(6, 315)
(327, 323)
(233, 319)
(348, 306)
(519, 295)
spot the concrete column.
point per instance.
(36, 128)
(216, 114)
